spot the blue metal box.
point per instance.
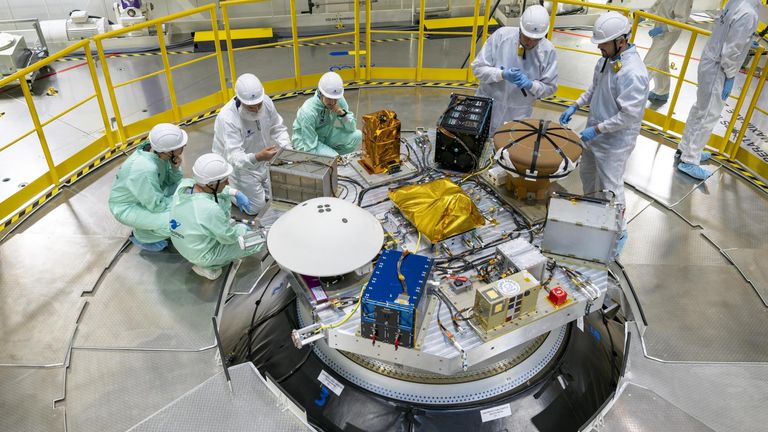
(387, 314)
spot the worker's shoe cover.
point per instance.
(658, 97)
(705, 156)
(620, 243)
(206, 272)
(694, 171)
(152, 247)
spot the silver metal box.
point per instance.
(580, 227)
(298, 176)
(12, 49)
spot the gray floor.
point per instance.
(248, 404)
(114, 390)
(723, 396)
(26, 398)
(640, 409)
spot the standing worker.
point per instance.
(720, 62)
(664, 37)
(144, 185)
(516, 66)
(315, 129)
(247, 133)
(200, 224)
(617, 100)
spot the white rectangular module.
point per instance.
(522, 255)
(497, 176)
(580, 227)
(12, 48)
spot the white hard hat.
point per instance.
(331, 85)
(165, 137)
(210, 167)
(535, 22)
(610, 26)
(249, 89)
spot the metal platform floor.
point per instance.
(97, 336)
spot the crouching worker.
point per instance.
(144, 186)
(201, 229)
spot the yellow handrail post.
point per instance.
(111, 92)
(99, 96)
(750, 110)
(473, 40)
(356, 9)
(368, 40)
(486, 17)
(230, 48)
(552, 17)
(680, 80)
(219, 60)
(168, 73)
(420, 50)
(740, 102)
(635, 22)
(295, 37)
(40, 133)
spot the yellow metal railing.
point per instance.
(57, 172)
(116, 138)
(176, 111)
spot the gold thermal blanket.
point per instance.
(439, 209)
(381, 141)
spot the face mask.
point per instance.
(248, 115)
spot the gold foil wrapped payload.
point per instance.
(381, 141)
(439, 209)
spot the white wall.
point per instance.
(48, 9)
(58, 9)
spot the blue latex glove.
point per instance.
(727, 87)
(656, 31)
(521, 79)
(243, 203)
(565, 118)
(588, 134)
(508, 74)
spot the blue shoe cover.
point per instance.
(705, 156)
(620, 243)
(152, 247)
(694, 171)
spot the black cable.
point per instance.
(346, 191)
(266, 319)
(295, 368)
(253, 316)
(388, 183)
(613, 348)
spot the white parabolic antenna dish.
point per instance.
(325, 237)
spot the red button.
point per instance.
(557, 296)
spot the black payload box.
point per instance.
(462, 131)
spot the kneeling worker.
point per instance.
(144, 186)
(315, 129)
(200, 218)
(248, 133)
